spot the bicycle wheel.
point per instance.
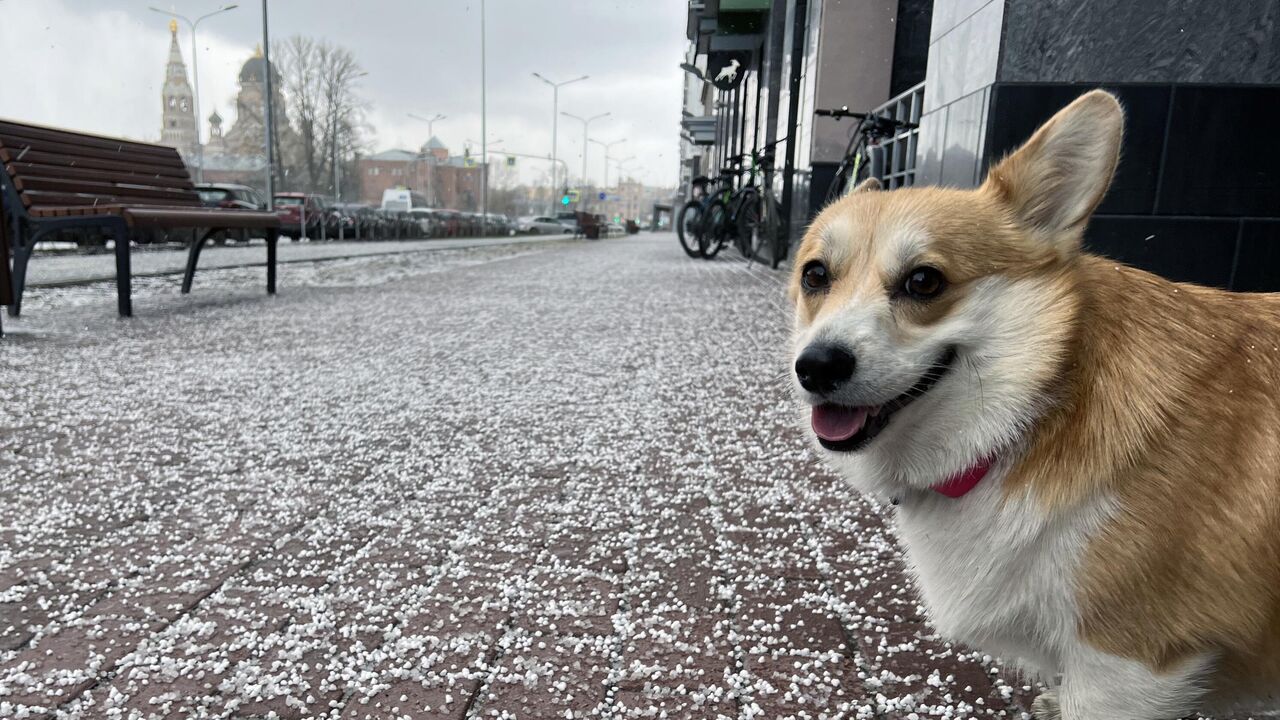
(750, 215)
(746, 215)
(715, 228)
(771, 230)
(689, 228)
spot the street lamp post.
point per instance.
(267, 111)
(607, 146)
(484, 134)
(431, 132)
(586, 123)
(555, 118)
(430, 121)
(195, 73)
(337, 177)
(619, 165)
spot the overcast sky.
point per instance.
(98, 65)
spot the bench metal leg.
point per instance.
(198, 240)
(22, 248)
(273, 235)
(124, 269)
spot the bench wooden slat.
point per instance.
(163, 217)
(59, 172)
(74, 210)
(169, 216)
(14, 156)
(89, 187)
(8, 128)
(31, 198)
(21, 145)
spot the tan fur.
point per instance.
(1168, 403)
(1161, 396)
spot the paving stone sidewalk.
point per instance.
(554, 482)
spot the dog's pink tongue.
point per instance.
(835, 423)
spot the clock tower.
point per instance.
(178, 127)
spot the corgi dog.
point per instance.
(1084, 457)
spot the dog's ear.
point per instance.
(1054, 181)
(868, 185)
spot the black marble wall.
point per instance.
(1163, 41)
(1197, 193)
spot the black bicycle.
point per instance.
(720, 210)
(758, 215)
(689, 219)
(703, 221)
(863, 157)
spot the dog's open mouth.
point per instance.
(847, 429)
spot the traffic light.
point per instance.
(564, 200)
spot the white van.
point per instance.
(402, 200)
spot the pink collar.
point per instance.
(961, 483)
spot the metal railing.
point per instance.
(898, 153)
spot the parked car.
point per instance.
(228, 195)
(569, 220)
(469, 224)
(614, 229)
(358, 221)
(291, 207)
(539, 225)
(232, 197)
(451, 221)
(430, 223)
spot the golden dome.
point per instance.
(173, 26)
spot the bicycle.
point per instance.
(758, 216)
(689, 219)
(863, 157)
(720, 209)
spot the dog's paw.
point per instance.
(1045, 706)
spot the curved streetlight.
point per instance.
(607, 146)
(619, 165)
(555, 118)
(586, 123)
(195, 73)
(430, 121)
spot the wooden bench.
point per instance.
(60, 180)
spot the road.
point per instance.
(555, 480)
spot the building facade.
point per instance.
(446, 181)
(1197, 193)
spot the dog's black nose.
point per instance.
(821, 368)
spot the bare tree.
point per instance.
(320, 82)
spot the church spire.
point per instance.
(177, 70)
(178, 121)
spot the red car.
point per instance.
(292, 207)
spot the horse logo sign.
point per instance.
(725, 69)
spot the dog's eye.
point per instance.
(924, 283)
(815, 277)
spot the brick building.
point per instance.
(446, 181)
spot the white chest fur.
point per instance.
(997, 574)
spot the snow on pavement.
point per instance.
(51, 269)
(559, 481)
